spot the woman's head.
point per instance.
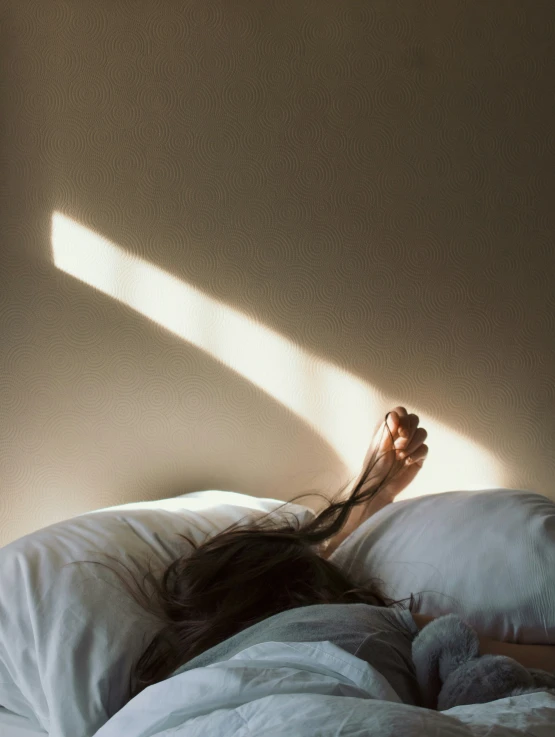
(244, 575)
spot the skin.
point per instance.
(408, 441)
(529, 656)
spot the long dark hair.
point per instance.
(247, 573)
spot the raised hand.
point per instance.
(407, 440)
(393, 460)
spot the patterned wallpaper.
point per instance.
(234, 234)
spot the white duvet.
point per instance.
(310, 690)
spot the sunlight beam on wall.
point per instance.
(337, 405)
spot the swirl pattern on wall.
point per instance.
(372, 181)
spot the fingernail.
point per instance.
(409, 461)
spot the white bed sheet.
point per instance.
(13, 725)
(306, 689)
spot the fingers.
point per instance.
(412, 421)
(417, 456)
(409, 442)
(392, 419)
(397, 420)
(411, 446)
(406, 425)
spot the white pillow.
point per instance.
(69, 636)
(489, 556)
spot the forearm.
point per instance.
(529, 656)
(357, 516)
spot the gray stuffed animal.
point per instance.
(451, 672)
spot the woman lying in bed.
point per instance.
(272, 581)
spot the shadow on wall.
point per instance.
(354, 200)
(334, 403)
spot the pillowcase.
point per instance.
(70, 636)
(488, 556)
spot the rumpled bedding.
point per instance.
(307, 689)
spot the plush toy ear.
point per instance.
(450, 671)
(439, 649)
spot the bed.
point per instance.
(66, 647)
(14, 725)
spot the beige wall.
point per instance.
(373, 182)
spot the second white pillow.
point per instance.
(488, 556)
